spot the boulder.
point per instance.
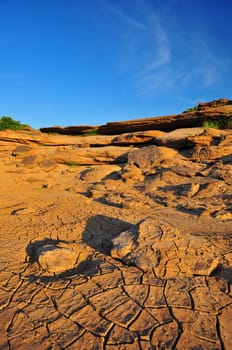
(167, 250)
(131, 173)
(30, 162)
(20, 150)
(222, 171)
(145, 158)
(48, 164)
(124, 245)
(60, 257)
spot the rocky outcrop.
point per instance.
(167, 123)
(145, 158)
(134, 255)
(214, 104)
(68, 130)
(139, 137)
(87, 156)
(211, 110)
(35, 137)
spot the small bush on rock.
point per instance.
(219, 123)
(9, 123)
(195, 108)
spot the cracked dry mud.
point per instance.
(110, 257)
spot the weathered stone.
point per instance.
(176, 295)
(109, 280)
(30, 162)
(91, 156)
(69, 130)
(123, 245)
(60, 257)
(96, 174)
(209, 153)
(187, 339)
(145, 158)
(137, 137)
(169, 288)
(222, 172)
(131, 173)
(48, 164)
(168, 123)
(204, 326)
(20, 150)
(179, 138)
(165, 249)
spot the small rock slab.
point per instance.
(60, 257)
(20, 150)
(145, 158)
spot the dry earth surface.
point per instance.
(107, 243)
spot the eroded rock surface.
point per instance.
(165, 250)
(60, 257)
(134, 255)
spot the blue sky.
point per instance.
(88, 62)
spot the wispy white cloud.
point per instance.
(154, 73)
(148, 38)
(124, 17)
(206, 65)
(161, 59)
(199, 64)
(161, 53)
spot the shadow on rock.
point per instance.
(223, 272)
(100, 230)
(32, 247)
(52, 260)
(55, 257)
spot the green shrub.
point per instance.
(9, 123)
(195, 108)
(72, 164)
(218, 123)
(91, 133)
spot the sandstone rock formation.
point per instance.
(99, 255)
(68, 130)
(194, 118)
